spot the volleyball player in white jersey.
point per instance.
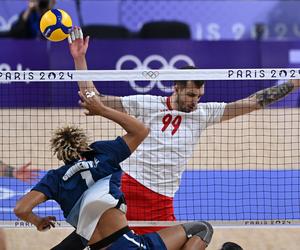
(153, 172)
(87, 188)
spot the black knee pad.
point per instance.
(201, 229)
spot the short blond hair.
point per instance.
(68, 142)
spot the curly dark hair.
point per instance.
(68, 143)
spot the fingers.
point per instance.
(83, 105)
(23, 168)
(75, 34)
(88, 102)
(90, 94)
(86, 97)
(86, 41)
(80, 33)
(69, 39)
(27, 164)
(82, 96)
(53, 218)
(49, 222)
(83, 102)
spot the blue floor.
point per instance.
(205, 195)
(239, 195)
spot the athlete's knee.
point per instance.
(202, 229)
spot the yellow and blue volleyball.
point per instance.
(55, 25)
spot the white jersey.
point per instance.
(159, 161)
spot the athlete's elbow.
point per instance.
(21, 210)
(144, 133)
(140, 136)
(134, 139)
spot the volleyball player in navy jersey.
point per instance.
(87, 188)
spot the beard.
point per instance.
(182, 106)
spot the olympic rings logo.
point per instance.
(150, 73)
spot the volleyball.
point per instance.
(55, 25)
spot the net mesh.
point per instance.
(242, 171)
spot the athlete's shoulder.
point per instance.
(210, 105)
(142, 97)
(96, 145)
(108, 145)
(49, 184)
(64, 168)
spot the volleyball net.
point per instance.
(243, 172)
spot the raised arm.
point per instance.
(259, 99)
(136, 130)
(78, 48)
(24, 211)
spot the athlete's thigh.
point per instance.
(173, 237)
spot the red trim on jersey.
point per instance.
(168, 102)
(145, 204)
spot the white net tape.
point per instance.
(147, 74)
(220, 224)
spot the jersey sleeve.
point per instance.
(136, 105)
(214, 112)
(48, 185)
(117, 149)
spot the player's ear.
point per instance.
(202, 89)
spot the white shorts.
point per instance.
(87, 211)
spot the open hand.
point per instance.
(92, 103)
(78, 45)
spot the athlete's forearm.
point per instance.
(31, 218)
(24, 211)
(271, 95)
(130, 124)
(259, 100)
(81, 64)
(24, 207)
(136, 130)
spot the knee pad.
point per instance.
(201, 229)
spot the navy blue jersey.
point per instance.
(107, 156)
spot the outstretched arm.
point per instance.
(23, 173)
(136, 130)
(25, 206)
(259, 99)
(78, 48)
